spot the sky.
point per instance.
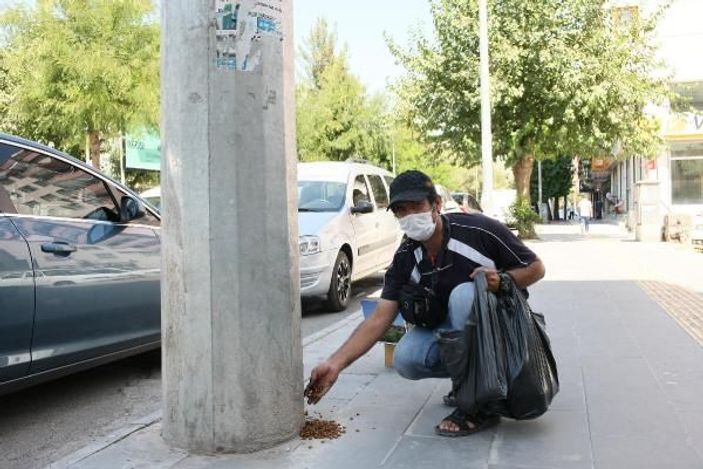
(361, 25)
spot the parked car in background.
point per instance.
(153, 196)
(79, 267)
(503, 199)
(449, 205)
(345, 231)
(467, 202)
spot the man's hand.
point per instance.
(322, 378)
(492, 277)
(364, 337)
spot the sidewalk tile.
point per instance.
(571, 395)
(390, 390)
(418, 452)
(348, 386)
(557, 439)
(432, 412)
(666, 450)
(680, 379)
(694, 430)
(144, 449)
(379, 430)
(623, 399)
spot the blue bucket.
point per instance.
(368, 305)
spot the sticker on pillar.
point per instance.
(240, 26)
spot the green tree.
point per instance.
(556, 181)
(566, 78)
(329, 118)
(81, 71)
(336, 120)
(5, 95)
(319, 51)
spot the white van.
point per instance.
(345, 231)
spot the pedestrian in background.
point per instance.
(585, 213)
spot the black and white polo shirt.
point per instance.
(470, 240)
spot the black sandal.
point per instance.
(468, 424)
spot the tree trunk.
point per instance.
(94, 149)
(556, 208)
(522, 171)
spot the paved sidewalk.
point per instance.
(631, 380)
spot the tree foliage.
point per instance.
(337, 120)
(81, 70)
(567, 78)
(556, 178)
(332, 116)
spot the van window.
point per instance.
(379, 190)
(361, 190)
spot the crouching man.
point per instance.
(439, 258)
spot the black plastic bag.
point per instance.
(501, 362)
(531, 371)
(475, 356)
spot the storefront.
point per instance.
(676, 176)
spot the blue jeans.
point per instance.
(417, 354)
(584, 224)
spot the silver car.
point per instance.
(345, 231)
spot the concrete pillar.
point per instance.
(232, 355)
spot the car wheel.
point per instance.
(340, 286)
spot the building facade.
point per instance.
(655, 191)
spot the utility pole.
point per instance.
(393, 151)
(121, 141)
(539, 182)
(540, 209)
(486, 137)
(232, 354)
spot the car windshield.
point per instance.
(320, 196)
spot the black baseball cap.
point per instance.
(411, 186)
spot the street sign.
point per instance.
(143, 151)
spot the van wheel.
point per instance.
(340, 286)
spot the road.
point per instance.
(42, 424)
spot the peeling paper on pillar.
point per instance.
(241, 26)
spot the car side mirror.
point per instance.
(363, 206)
(130, 209)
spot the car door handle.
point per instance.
(58, 248)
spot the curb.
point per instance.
(356, 316)
(105, 442)
(144, 422)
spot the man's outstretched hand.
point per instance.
(322, 378)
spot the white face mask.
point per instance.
(418, 226)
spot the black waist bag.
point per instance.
(420, 306)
